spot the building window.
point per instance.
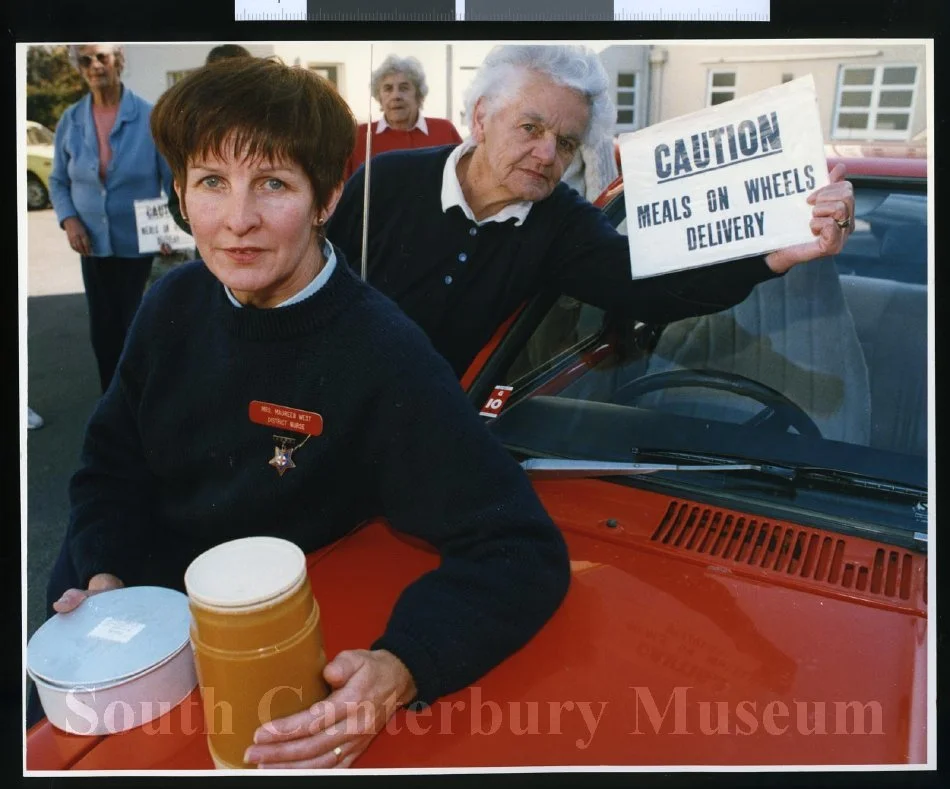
(875, 102)
(626, 98)
(721, 87)
(329, 71)
(177, 76)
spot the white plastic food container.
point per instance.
(120, 659)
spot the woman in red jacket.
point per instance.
(399, 85)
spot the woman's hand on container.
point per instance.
(73, 597)
(367, 687)
(77, 236)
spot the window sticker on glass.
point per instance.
(496, 401)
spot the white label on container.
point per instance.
(120, 630)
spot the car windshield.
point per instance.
(39, 135)
(825, 367)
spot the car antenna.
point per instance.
(369, 137)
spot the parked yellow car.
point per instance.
(39, 164)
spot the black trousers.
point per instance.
(114, 288)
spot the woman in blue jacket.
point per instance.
(104, 160)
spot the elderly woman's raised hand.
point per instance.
(831, 223)
(71, 598)
(367, 687)
(77, 236)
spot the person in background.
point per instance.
(593, 168)
(225, 51)
(399, 85)
(220, 52)
(104, 160)
(462, 236)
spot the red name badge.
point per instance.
(285, 418)
(496, 401)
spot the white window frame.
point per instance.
(317, 65)
(635, 91)
(875, 89)
(709, 84)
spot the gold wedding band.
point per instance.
(844, 224)
(338, 752)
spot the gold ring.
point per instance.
(338, 752)
(844, 224)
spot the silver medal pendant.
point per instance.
(283, 451)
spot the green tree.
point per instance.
(52, 84)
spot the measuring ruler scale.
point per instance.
(502, 10)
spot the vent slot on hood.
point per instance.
(785, 548)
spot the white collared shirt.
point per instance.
(420, 124)
(452, 194)
(315, 284)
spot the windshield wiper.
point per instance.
(568, 468)
(801, 473)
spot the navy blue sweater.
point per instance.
(172, 464)
(460, 281)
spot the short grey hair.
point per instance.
(394, 64)
(118, 50)
(500, 77)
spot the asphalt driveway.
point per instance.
(63, 387)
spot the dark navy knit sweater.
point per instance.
(459, 281)
(172, 464)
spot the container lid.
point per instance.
(245, 572)
(111, 636)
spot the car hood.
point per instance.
(690, 636)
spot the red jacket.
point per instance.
(441, 132)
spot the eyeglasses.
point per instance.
(85, 61)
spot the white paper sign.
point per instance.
(155, 225)
(723, 183)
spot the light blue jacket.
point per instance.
(137, 171)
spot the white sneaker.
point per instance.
(33, 419)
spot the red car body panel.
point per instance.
(692, 634)
(685, 639)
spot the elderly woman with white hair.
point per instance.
(399, 85)
(104, 160)
(461, 236)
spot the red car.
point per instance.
(765, 605)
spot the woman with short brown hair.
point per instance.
(174, 462)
